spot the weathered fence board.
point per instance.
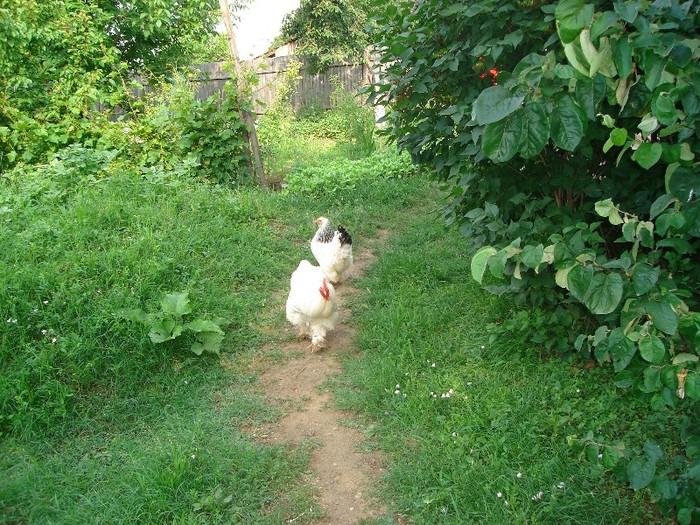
(311, 89)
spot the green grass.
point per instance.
(511, 426)
(99, 425)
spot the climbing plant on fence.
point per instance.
(568, 135)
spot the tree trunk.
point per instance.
(245, 115)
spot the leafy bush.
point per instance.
(168, 324)
(568, 137)
(171, 127)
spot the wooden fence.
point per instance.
(311, 89)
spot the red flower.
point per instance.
(493, 72)
(483, 75)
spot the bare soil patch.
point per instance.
(343, 475)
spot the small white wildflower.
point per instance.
(578, 390)
(398, 386)
(451, 391)
(45, 302)
(53, 340)
(186, 382)
(43, 332)
(469, 383)
(397, 392)
(506, 503)
(519, 475)
(404, 395)
(443, 510)
(499, 494)
(193, 456)
(561, 485)
(433, 365)
(432, 394)
(443, 396)
(454, 434)
(482, 347)
(538, 496)
(35, 310)
(600, 456)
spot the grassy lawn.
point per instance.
(99, 425)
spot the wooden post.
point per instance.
(247, 117)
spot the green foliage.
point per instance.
(568, 138)
(348, 121)
(328, 31)
(169, 324)
(336, 177)
(287, 136)
(170, 128)
(56, 65)
(156, 35)
(64, 68)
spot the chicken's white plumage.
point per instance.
(332, 249)
(312, 306)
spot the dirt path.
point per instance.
(343, 476)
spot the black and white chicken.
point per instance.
(332, 249)
(312, 306)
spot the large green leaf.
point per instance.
(608, 209)
(579, 280)
(494, 104)
(621, 349)
(535, 129)
(652, 349)
(164, 330)
(572, 16)
(176, 304)
(566, 125)
(692, 386)
(604, 293)
(644, 277)
(664, 109)
(589, 93)
(501, 139)
(497, 263)
(202, 325)
(531, 256)
(207, 342)
(640, 472)
(683, 181)
(647, 154)
(660, 204)
(480, 260)
(134, 314)
(663, 316)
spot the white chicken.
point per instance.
(332, 249)
(312, 306)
